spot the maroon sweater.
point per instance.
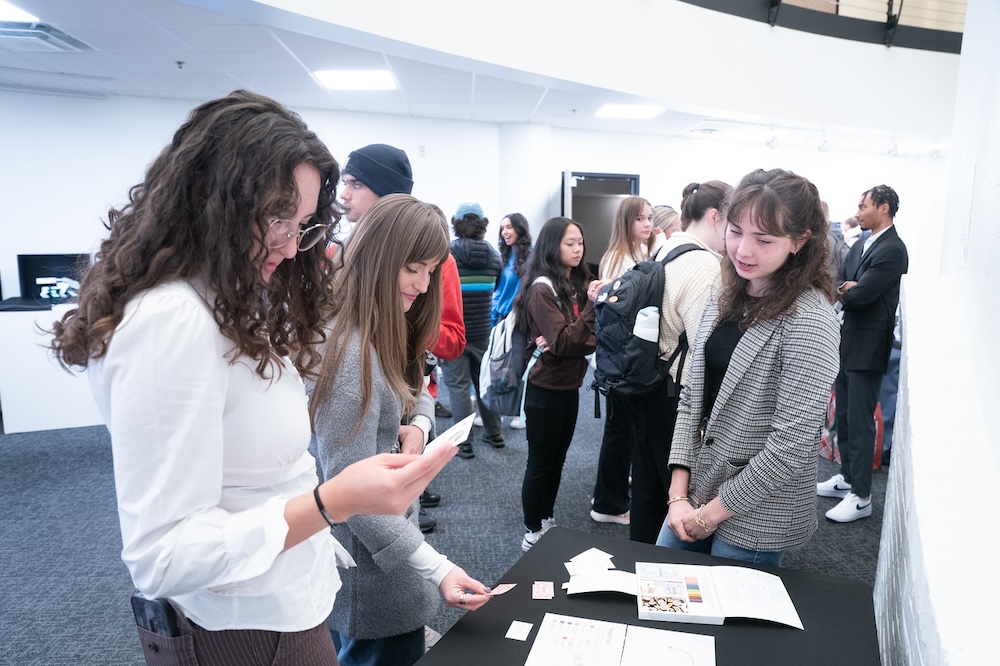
(563, 365)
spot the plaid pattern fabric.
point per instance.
(759, 449)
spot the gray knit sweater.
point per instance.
(383, 596)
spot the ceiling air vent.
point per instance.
(38, 38)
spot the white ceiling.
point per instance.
(179, 49)
(173, 50)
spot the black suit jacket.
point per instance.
(870, 305)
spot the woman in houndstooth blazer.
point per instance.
(744, 451)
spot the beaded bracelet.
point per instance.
(322, 509)
(701, 523)
(676, 499)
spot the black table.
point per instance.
(838, 614)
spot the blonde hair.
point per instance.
(666, 219)
(622, 244)
(396, 231)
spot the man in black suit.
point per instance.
(869, 294)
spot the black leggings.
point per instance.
(550, 419)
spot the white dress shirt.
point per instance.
(206, 454)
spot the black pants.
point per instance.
(653, 417)
(857, 395)
(550, 419)
(615, 459)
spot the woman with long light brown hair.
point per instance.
(386, 313)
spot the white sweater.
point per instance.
(689, 281)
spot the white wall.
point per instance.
(65, 161)
(937, 581)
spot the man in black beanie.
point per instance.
(372, 172)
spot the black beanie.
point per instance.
(384, 169)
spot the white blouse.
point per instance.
(206, 454)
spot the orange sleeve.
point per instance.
(451, 339)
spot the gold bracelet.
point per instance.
(701, 523)
(676, 499)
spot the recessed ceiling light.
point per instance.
(356, 79)
(9, 12)
(629, 111)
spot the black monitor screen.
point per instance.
(52, 278)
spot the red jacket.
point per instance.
(451, 339)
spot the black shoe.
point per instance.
(427, 523)
(465, 450)
(429, 500)
(441, 410)
(496, 441)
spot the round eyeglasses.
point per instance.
(282, 232)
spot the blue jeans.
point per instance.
(715, 546)
(401, 650)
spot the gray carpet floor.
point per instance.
(64, 591)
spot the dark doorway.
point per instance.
(591, 200)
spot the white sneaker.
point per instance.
(621, 519)
(548, 524)
(478, 421)
(516, 423)
(851, 508)
(834, 487)
(530, 539)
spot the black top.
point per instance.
(718, 351)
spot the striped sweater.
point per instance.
(478, 267)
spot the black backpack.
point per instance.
(627, 364)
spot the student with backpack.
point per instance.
(632, 241)
(688, 282)
(558, 315)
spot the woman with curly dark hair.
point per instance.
(203, 307)
(515, 249)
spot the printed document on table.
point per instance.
(667, 648)
(562, 639)
(745, 592)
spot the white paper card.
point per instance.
(603, 581)
(519, 630)
(454, 435)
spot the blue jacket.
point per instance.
(507, 287)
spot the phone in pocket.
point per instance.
(155, 615)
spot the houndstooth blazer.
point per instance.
(759, 450)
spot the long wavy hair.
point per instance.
(780, 203)
(396, 231)
(521, 247)
(571, 289)
(622, 244)
(202, 213)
